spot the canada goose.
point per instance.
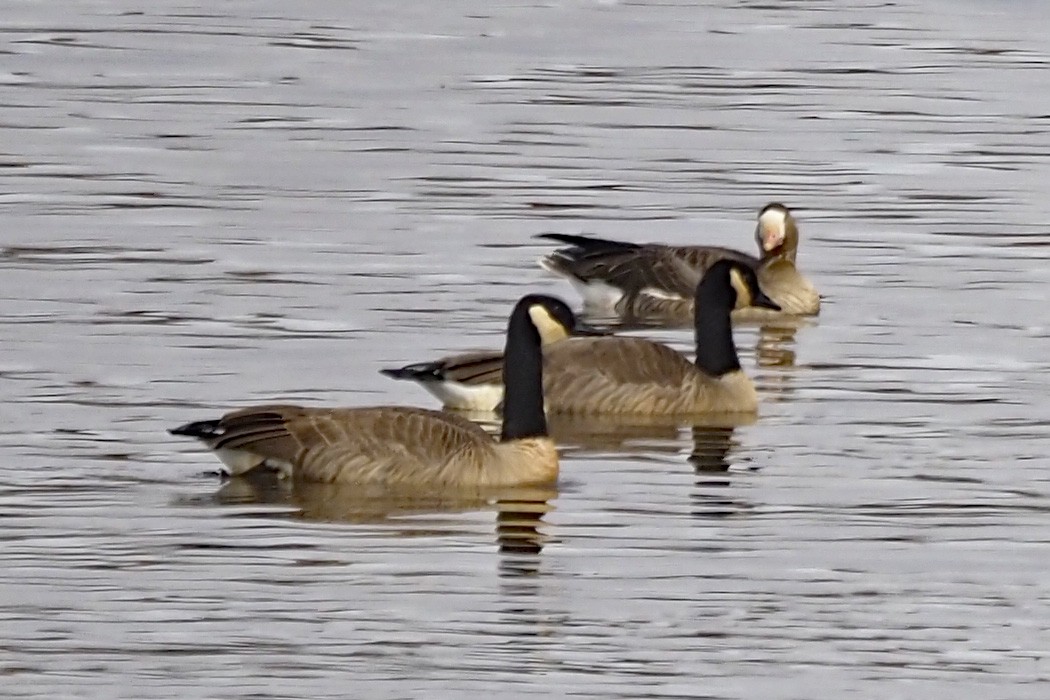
(401, 446)
(626, 375)
(473, 381)
(646, 280)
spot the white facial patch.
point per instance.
(772, 227)
(550, 329)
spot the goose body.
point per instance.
(654, 280)
(398, 446)
(627, 375)
(585, 375)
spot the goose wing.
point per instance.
(638, 269)
(702, 257)
(387, 445)
(615, 375)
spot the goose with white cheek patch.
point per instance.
(619, 375)
(400, 446)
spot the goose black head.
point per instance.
(553, 318)
(732, 285)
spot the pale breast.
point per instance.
(788, 287)
(525, 461)
(733, 392)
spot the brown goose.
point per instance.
(654, 280)
(400, 446)
(626, 375)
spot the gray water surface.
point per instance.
(216, 205)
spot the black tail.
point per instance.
(202, 429)
(417, 372)
(590, 246)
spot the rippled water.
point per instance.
(217, 205)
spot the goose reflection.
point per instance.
(519, 510)
(711, 441)
(586, 433)
(711, 447)
(624, 435)
(711, 459)
(775, 355)
(519, 534)
(776, 343)
(635, 435)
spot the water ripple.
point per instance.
(208, 208)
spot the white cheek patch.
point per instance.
(550, 329)
(596, 293)
(743, 292)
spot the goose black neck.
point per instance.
(523, 415)
(715, 350)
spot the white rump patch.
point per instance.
(597, 294)
(466, 397)
(239, 462)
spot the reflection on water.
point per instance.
(213, 206)
(620, 434)
(776, 343)
(776, 375)
(711, 447)
(623, 435)
(519, 510)
(353, 503)
(714, 495)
